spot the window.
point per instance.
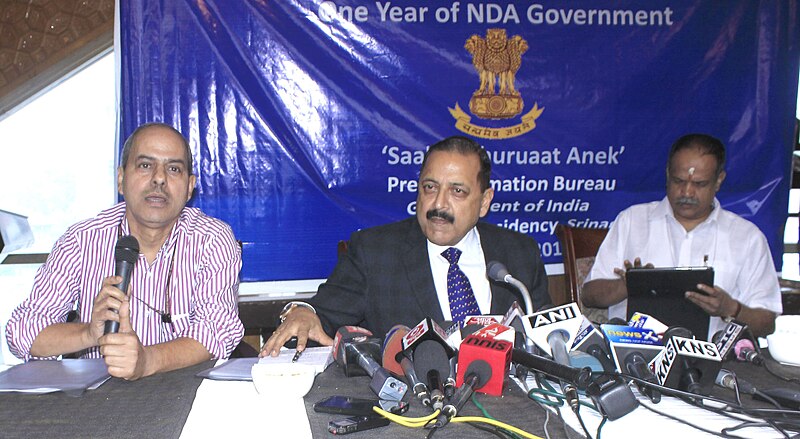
(58, 167)
(791, 233)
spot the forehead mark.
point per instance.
(691, 171)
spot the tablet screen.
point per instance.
(659, 292)
(667, 281)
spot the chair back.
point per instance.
(578, 247)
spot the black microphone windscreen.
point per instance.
(126, 253)
(686, 363)
(127, 249)
(677, 331)
(482, 370)
(496, 271)
(431, 356)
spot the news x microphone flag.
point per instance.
(308, 120)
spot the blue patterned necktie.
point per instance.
(459, 290)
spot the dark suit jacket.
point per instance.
(385, 277)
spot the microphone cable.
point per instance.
(406, 421)
(425, 420)
(769, 418)
(750, 389)
(725, 432)
(496, 430)
(685, 422)
(547, 391)
(732, 412)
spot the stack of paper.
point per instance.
(72, 376)
(238, 369)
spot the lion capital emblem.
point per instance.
(497, 59)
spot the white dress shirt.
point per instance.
(471, 262)
(735, 247)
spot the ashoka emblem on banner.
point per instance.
(496, 59)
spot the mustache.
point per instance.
(688, 201)
(436, 213)
(157, 192)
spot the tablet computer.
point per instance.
(659, 292)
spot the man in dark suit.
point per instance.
(433, 265)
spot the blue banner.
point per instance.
(308, 120)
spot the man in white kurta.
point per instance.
(690, 228)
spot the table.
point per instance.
(643, 420)
(513, 408)
(158, 406)
(154, 407)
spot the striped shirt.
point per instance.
(203, 291)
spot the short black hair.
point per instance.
(128, 146)
(703, 142)
(466, 146)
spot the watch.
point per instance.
(292, 305)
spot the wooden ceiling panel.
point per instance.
(43, 41)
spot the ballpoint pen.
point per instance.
(296, 356)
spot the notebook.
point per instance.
(659, 292)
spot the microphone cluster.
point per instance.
(444, 367)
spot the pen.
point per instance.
(296, 356)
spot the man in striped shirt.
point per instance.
(181, 306)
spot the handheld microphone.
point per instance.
(557, 340)
(782, 398)
(450, 382)
(727, 338)
(552, 330)
(395, 361)
(353, 345)
(392, 345)
(591, 341)
(728, 379)
(582, 359)
(498, 272)
(347, 358)
(632, 348)
(539, 325)
(477, 374)
(483, 362)
(637, 366)
(457, 332)
(686, 364)
(427, 329)
(126, 252)
(581, 377)
(645, 321)
(493, 345)
(513, 318)
(617, 321)
(746, 351)
(576, 378)
(431, 363)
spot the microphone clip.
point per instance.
(612, 396)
